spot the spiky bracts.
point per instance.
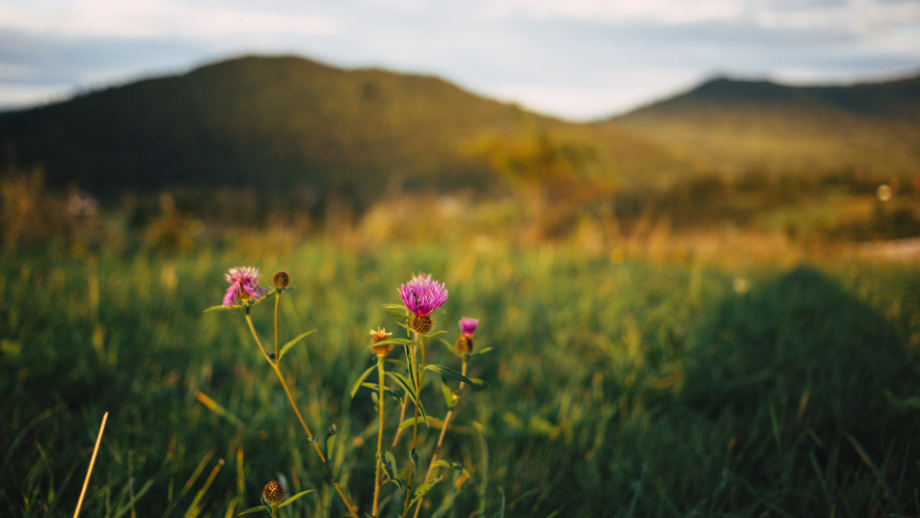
(378, 336)
(273, 493)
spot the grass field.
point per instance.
(615, 389)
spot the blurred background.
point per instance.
(168, 123)
(690, 231)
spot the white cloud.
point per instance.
(574, 58)
(154, 18)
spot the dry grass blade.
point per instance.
(92, 462)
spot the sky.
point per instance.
(574, 59)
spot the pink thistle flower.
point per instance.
(468, 326)
(422, 295)
(244, 285)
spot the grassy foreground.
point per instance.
(616, 389)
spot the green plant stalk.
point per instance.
(434, 455)
(300, 417)
(380, 398)
(402, 417)
(402, 414)
(277, 301)
(418, 395)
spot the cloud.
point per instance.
(154, 18)
(562, 57)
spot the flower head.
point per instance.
(281, 279)
(273, 493)
(378, 336)
(244, 285)
(468, 326)
(422, 295)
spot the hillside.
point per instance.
(732, 126)
(284, 123)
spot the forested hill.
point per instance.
(281, 123)
(729, 125)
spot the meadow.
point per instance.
(616, 386)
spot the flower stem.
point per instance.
(277, 301)
(418, 395)
(434, 455)
(300, 417)
(402, 417)
(402, 414)
(379, 437)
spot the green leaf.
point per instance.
(392, 472)
(357, 385)
(414, 456)
(396, 314)
(408, 388)
(439, 333)
(255, 510)
(330, 440)
(456, 466)
(447, 371)
(387, 390)
(411, 367)
(479, 384)
(405, 384)
(293, 342)
(250, 304)
(394, 306)
(404, 326)
(295, 497)
(427, 420)
(451, 348)
(483, 351)
(398, 341)
(424, 488)
(448, 393)
(397, 363)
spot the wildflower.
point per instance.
(244, 285)
(467, 328)
(273, 493)
(378, 336)
(281, 279)
(422, 296)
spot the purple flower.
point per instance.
(468, 326)
(244, 285)
(422, 295)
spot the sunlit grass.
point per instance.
(618, 387)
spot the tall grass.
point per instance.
(630, 389)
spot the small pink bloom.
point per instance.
(422, 295)
(243, 280)
(468, 326)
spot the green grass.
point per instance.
(615, 390)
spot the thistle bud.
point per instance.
(465, 345)
(467, 328)
(281, 279)
(422, 324)
(273, 493)
(378, 336)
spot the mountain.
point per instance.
(870, 129)
(283, 123)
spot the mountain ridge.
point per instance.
(737, 125)
(287, 122)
